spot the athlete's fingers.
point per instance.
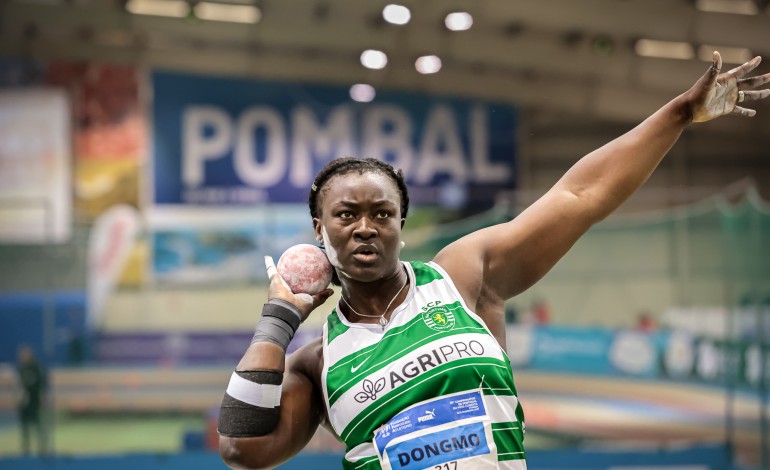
(745, 112)
(753, 82)
(270, 266)
(755, 95)
(742, 70)
(321, 297)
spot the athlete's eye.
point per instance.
(383, 214)
(345, 214)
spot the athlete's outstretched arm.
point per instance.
(272, 405)
(499, 262)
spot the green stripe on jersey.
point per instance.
(335, 324)
(508, 437)
(368, 463)
(424, 274)
(335, 327)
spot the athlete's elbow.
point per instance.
(237, 455)
(592, 205)
(231, 453)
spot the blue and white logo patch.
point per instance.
(430, 414)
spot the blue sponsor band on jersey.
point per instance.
(430, 414)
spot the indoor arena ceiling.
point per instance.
(580, 57)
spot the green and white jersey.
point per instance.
(432, 389)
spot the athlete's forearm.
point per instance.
(251, 405)
(250, 414)
(263, 356)
(297, 419)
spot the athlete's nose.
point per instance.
(365, 229)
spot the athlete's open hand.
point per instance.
(306, 303)
(717, 94)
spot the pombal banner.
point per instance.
(224, 141)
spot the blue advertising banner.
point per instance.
(577, 350)
(225, 141)
(596, 351)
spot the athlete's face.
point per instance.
(360, 224)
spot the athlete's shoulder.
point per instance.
(426, 272)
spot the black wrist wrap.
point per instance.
(279, 322)
(284, 310)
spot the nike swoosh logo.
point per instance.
(355, 368)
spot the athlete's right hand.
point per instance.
(717, 94)
(306, 303)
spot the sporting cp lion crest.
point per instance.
(438, 317)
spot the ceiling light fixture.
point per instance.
(738, 7)
(374, 59)
(458, 21)
(428, 64)
(664, 49)
(730, 55)
(170, 8)
(362, 92)
(228, 12)
(396, 14)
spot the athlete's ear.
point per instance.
(403, 221)
(317, 230)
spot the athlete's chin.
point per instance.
(364, 275)
(367, 272)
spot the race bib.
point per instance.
(452, 432)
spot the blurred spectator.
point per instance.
(32, 382)
(212, 436)
(645, 322)
(76, 347)
(541, 312)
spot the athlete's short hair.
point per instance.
(341, 166)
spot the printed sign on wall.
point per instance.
(220, 141)
(110, 133)
(200, 245)
(35, 161)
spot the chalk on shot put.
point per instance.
(305, 268)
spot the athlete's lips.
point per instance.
(366, 248)
(366, 253)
